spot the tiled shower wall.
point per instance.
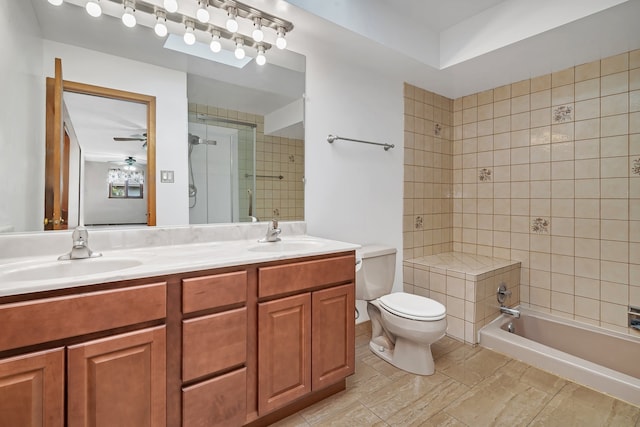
(428, 165)
(282, 199)
(545, 171)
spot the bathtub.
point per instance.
(603, 360)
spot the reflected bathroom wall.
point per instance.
(221, 169)
(272, 168)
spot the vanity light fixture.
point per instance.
(281, 42)
(55, 2)
(261, 59)
(231, 24)
(215, 44)
(257, 34)
(160, 28)
(239, 52)
(128, 18)
(93, 8)
(189, 36)
(171, 6)
(202, 13)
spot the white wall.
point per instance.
(21, 133)
(170, 89)
(99, 209)
(353, 191)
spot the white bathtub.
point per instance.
(604, 360)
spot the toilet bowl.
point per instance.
(403, 326)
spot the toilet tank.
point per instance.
(375, 277)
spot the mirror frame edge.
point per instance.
(150, 101)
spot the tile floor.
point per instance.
(472, 386)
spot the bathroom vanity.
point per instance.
(240, 339)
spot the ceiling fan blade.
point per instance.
(117, 138)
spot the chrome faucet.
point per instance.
(501, 296)
(80, 248)
(512, 311)
(272, 232)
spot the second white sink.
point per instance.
(286, 246)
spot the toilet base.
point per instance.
(406, 355)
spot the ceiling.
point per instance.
(452, 47)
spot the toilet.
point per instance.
(403, 326)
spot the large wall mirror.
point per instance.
(224, 161)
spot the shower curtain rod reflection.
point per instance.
(247, 175)
(332, 138)
(204, 116)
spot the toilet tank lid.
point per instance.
(370, 251)
(413, 306)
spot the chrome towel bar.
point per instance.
(247, 175)
(332, 138)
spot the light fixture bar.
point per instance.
(248, 12)
(178, 18)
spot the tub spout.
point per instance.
(511, 311)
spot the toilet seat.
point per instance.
(413, 307)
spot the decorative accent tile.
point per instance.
(485, 175)
(292, 158)
(636, 167)
(562, 114)
(276, 213)
(419, 223)
(540, 226)
(437, 129)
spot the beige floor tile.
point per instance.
(499, 400)
(575, 405)
(427, 405)
(441, 419)
(470, 365)
(472, 386)
(356, 415)
(402, 393)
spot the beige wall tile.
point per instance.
(614, 83)
(562, 78)
(587, 71)
(614, 64)
(587, 89)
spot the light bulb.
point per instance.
(171, 5)
(215, 44)
(202, 14)
(128, 18)
(55, 2)
(261, 59)
(93, 8)
(258, 34)
(239, 52)
(160, 28)
(189, 37)
(231, 24)
(281, 42)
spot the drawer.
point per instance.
(300, 276)
(221, 401)
(201, 293)
(48, 319)
(213, 343)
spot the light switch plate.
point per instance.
(166, 176)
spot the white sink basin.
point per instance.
(61, 269)
(286, 246)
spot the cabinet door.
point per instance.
(284, 350)
(32, 390)
(118, 381)
(333, 326)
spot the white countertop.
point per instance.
(155, 261)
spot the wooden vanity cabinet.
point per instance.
(306, 341)
(117, 379)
